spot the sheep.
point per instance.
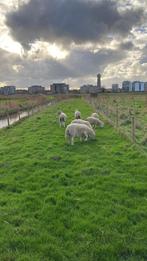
(77, 114)
(80, 121)
(74, 130)
(95, 122)
(95, 115)
(62, 119)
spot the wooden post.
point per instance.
(7, 112)
(146, 101)
(133, 129)
(117, 116)
(8, 119)
(94, 104)
(19, 115)
(107, 108)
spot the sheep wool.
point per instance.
(80, 121)
(62, 119)
(82, 131)
(95, 115)
(77, 114)
(95, 122)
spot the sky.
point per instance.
(46, 41)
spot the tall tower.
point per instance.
(99, 81)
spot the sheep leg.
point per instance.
(86, 136)
(81, 138)
(68, 139)
(72, 141)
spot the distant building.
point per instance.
(85, 89)
(115, 87)
(21, 91)
(59, 88)
(34, 89)
(94, 89)
(74, 91)
(138, 86)
(91, 89)
(127, 86)
(8, 90)
(145, 86)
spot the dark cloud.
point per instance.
(23, 72)
(7, 61)
(88, 63)
(143, 59)
(78, 64)
(67, 21)
(46, 70)
(128, 45)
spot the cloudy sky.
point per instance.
(45, 41)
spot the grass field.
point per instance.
(86, 202)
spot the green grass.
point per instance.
(86, 202)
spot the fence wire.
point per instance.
(126, 112)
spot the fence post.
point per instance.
(8, 120)
(19, 115)
(117, 116)
(107, 107)
(133, 129)
(7, 112)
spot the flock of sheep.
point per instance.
(79, 127)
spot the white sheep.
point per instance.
(77, 114)
(95, 122)
(62, 119)
(82, 131)
(80, 121)
(95, 115)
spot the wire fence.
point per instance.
(127, 113)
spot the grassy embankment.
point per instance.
(86, 202)
(13, 104)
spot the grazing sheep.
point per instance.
(77, 114)
(95, 122)
(95, 115)
(80, 121)
(82, 131)
(62, 119)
